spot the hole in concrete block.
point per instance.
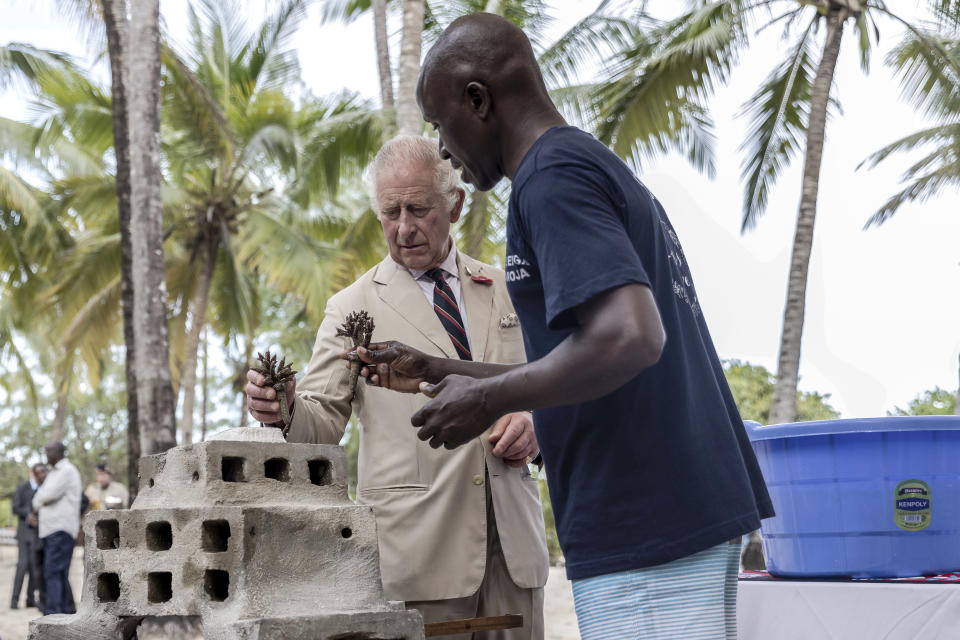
(346, 532)
(159, 586)
(216, 534)
(216, 583)
(318, 471)
(196, 476)
(151, 483)
(231, 469)
(108, 587)
(159, 536)
(277, 469)
(108, 534)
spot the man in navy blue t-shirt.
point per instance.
(650, 471)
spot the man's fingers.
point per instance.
(419, 418)
(436, 442)
(256, 378)
(518, 449)
(264, 406)
(511, 433)
(265, 417)
(498, 427)
(253, 390)
(429, 390)
(379, 352)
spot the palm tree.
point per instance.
(248, 200)
(156, 404)
(658, 96)
(931, 80)
(409, 121)
(114, 14)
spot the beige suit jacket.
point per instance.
(429, 503)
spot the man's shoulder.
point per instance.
(559, 149)
(361, 286)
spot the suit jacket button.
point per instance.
(478, 480)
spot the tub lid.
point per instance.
(757, 431)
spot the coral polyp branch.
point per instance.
(358, 327)
(277, 375)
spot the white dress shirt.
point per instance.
(451, 275)
(57, 501)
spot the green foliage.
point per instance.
(928, 63)
(7, 519)
(553, 543)
(935, 402)
(752, 388)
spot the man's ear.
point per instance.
(479, 96)
(458, 206)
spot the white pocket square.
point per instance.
(509, 320)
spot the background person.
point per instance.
(28, 538)
(57, 503)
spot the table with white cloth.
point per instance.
(781, 609)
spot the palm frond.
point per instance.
(659, 84)
(345, 11)
(778, 114)
(594, 38)
(928, 185)
(23, 64)
(929, 68)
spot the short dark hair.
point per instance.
(103, 467)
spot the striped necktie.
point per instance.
(445, 305)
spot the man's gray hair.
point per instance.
(403, 151)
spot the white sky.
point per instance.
(883, 306)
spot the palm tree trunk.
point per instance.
(205, 384)
(57, 429)
(784, 406)
(476, 223)
(383, 67)
(156, 403)
(114, 18)
(247, 359)
(409, 121)
(198, 307)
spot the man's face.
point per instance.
(40, 474)
(468, 141)
(103, 478)
(415, 219)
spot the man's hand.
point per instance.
(394, 365)
(514, 439)
(262, 401)
(459, 412)
(32, 520)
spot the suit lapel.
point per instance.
(478, 299)
(402, 293)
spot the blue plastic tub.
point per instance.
(864, 498)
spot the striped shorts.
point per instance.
(693, 598)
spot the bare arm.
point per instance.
(620, 335)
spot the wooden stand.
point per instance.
(470, 625)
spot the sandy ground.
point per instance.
(560, 621)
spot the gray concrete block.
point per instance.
(253, 536)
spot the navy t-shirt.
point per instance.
(662, 467)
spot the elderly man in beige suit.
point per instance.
(461, 532)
